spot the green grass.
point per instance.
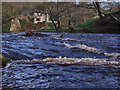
(52, 29)
(23, 21)
(47, 30)
(63, 29)
(87, 26)
(88, 23)
(113, 12)
(50, 25)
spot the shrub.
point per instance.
(50, 25)
(23, 21)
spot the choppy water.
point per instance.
(54, 75)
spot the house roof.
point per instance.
(32, 11)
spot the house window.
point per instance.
(37, 19)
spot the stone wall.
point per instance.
(15, 25)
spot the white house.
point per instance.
(40, 17)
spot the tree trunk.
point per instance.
(70, 26)
(54, 24)
(99, 9)
(58, 22)
(50, 13)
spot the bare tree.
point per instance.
(70, 8)
(98, 7)
(55, 12)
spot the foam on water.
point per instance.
(67, 39)
(75, 69)
(84, 47)
(65, 60)
(115, 56)
(71, 39)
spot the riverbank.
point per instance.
(108, 24)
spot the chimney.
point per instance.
(47, 17)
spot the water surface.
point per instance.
(59, 76)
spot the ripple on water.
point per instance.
(58, 73)
(56, 76)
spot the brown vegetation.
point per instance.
(62, 14)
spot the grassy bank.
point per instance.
(88, 26)
(110, 23)
(107, 24)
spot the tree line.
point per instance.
(66, 14)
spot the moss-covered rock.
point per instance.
(3, 61)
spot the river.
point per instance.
(97, 57)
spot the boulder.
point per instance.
(30, 33)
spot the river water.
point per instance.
(96, 68)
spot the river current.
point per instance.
(78, 60)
